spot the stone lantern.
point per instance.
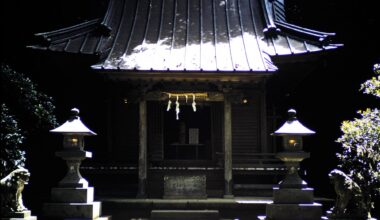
(73, 198)
(73, 131)
(292, 132)
(293, 199)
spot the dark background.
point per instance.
(323, 98)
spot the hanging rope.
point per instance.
(177, 108)
(169, 103)
(186, 96)
(194, 104)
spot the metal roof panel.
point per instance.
(189, 35)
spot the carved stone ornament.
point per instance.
(349, 202)
(11, 191)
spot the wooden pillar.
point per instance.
(227, 149)
(263, 122)
(142, 150)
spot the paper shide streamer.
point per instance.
(186, 96)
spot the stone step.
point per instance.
(294, 211)
(184, 214)
(104, 218)
(57, 218)
(19, 218)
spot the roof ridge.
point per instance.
(72, 28)
(318, 36)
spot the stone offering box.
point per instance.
(185, 186)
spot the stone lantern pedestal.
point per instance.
(73, 198)
(293, 199)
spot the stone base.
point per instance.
(265, 218)
(76, 195)
(24, 215)
(26, 218)
(294, 211)
(293, 196)
(228, 196)
(184, 214)
(90, 210)
(329, 216)
(73, 203)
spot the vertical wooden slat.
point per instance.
(263, 123)
(227, 149)
(142, 150)
(246, 127)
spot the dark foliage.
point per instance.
(33, 109)
(360, 157)
(24, 111)
(11, 140)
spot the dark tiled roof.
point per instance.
(87, 38)
(189, 35)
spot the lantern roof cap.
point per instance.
(293, 127)
(73, 126)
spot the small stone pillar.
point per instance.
(73, 198)
(293, 200)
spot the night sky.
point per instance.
(323, 99)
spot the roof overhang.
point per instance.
(217, 40)
(190, 76)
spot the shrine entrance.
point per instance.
(184, 129)
(189, 136)
(184, 147)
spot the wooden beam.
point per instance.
(142, 150)
(163, 96)
(204, 76)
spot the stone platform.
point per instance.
(233, 208)
(184, 214)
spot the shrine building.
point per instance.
(186, 84)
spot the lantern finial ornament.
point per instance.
(73, 126)
(293, 127)
(292, 114)
(74, 114)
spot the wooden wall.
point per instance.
(123, 135)
(124, 119)
(246, 130)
